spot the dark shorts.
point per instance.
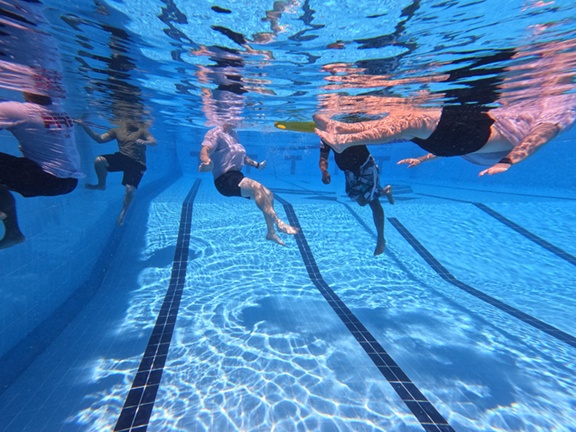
(363, 185)
(228, 183)
(25, 176)
(461, 130)
(133, 170)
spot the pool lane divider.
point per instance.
(423, 410)
(137, 409)
(448, 277)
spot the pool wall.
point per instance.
(65, 236)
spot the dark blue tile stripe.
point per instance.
(530, 236)
(520, 230)
(423, 410)
(495, 192)
(448, 277)
(15, 362)
(137, 408)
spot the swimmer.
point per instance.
(50, 164)
(133, 138)
(362, 183)
(223, 154)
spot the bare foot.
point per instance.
(10, 240)
(95, 187)
(286, 229)
(388, 192)
(274, 237)
(380, 246)
(120, 220)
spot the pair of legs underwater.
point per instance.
(378, 216)
(400, 124)
(264, 200)
(101, 167)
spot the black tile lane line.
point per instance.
(423, 410)
(530, 236)
(448, 277)
(519, 229)
(494, 192)
(137, 408)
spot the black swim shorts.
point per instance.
(133, 170)
(228, 183)
(461, 130)
(25, 176)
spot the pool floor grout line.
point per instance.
(450, 278)
(428, 416)
(137, 408)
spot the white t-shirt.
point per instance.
(225, 149)
(46, 136)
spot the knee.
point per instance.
(101, 161)
(268, 193)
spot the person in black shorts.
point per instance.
(224, 156)
(362, 183)
(50, 164)
(133, 138)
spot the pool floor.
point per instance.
(200, 324)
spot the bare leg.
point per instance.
(101, 168)
(324, 123)
(128, 198)
(396, 126)
(264, 199)
(12, 233)
(378, 215)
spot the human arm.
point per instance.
(100, 139)
(412, 162)
(323, 163)
(148, 140)
(206, 163)
(253, 163)
(538, 136)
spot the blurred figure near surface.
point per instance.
(50, 164)
(362, 183)
(133, 139)
(498, 120)
(223, 154)
(29, 54)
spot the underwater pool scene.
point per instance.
(138, 293)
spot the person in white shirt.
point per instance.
(223, 154)
(50, 164)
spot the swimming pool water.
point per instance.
(187, 319)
